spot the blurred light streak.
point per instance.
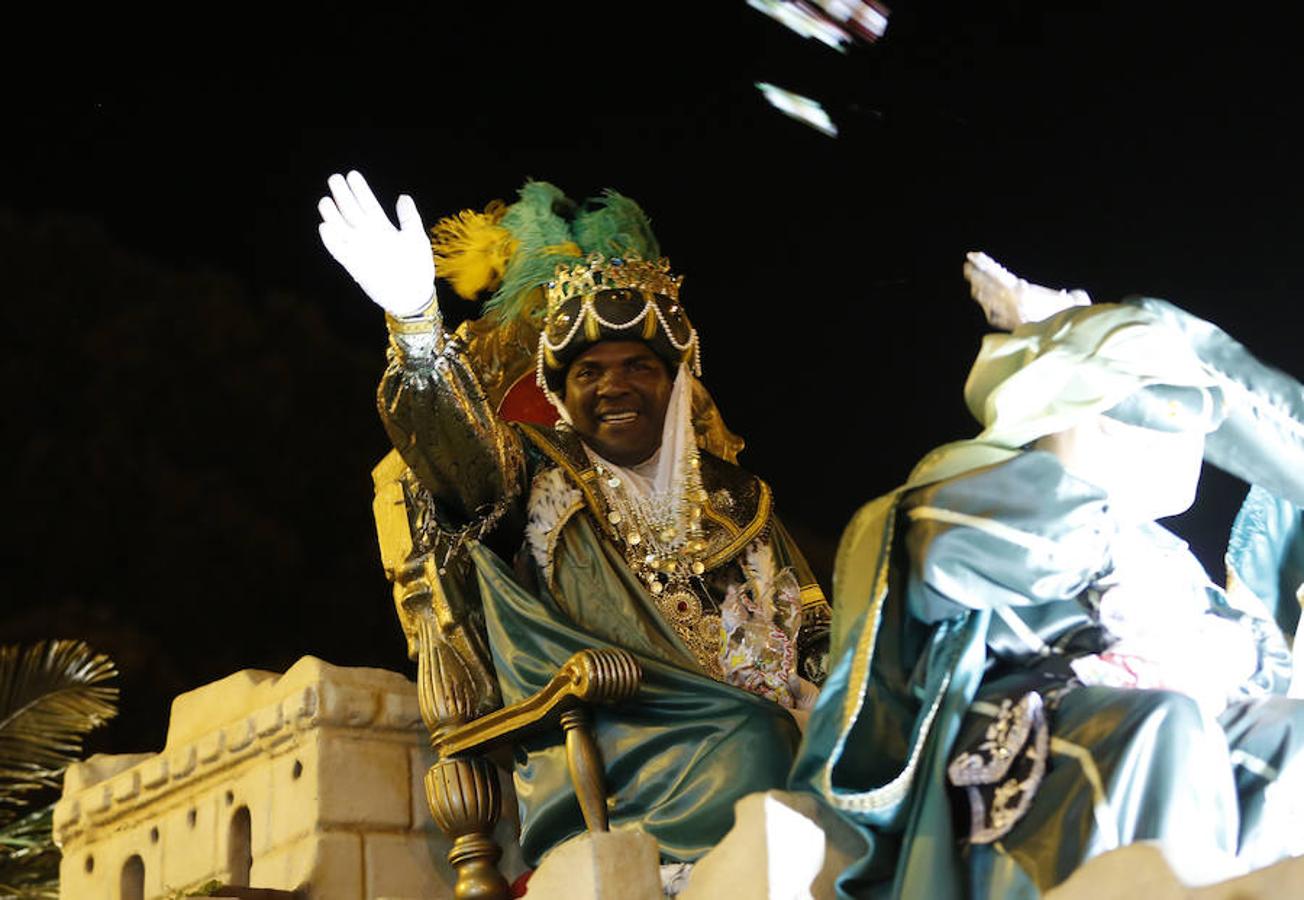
(804, 20)
(835, 23)
(867, 19)
(803, 109)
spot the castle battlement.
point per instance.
(305, 781)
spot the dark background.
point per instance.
(190, 379)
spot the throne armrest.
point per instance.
(590, 676)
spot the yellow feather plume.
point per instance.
(471, 250)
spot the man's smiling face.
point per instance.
(616, 395)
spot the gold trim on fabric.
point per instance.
(425, 322)
(860, 666)
(812, 595)
(744, 537)
(1022, 631)
(582, 478)
(893, 791)
(1024, 539)
(1100, 805)
(549, 573)
(720, 519)
(1254, 765)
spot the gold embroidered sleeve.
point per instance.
(444, 427)
(813, 638)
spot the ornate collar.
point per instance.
(736, 509)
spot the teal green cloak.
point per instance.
(677, 757)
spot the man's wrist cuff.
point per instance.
(425, 321)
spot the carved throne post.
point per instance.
(463, 794)
(458, 693)
(455, 681)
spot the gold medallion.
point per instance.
(681, 607)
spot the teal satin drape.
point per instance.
(676, 759)
(1124, 765)
(1266, 554)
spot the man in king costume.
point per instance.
(1028, 670)
(626, 525)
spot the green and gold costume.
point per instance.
(530, 541)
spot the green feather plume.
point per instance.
(539, 221)
(549, 229)
(615, 225)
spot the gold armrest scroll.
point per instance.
(589, 677)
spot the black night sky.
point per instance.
(190, 378)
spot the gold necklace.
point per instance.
(664, 544)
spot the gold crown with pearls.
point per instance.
(598, 273)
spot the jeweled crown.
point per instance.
(598, 272)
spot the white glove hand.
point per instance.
(1007, 300)
(394, 266)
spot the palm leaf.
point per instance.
(29, 861)
(29, 832)
(51, 694)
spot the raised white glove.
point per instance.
(394, 266)
(1007, 300)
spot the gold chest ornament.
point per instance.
(664, 543)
